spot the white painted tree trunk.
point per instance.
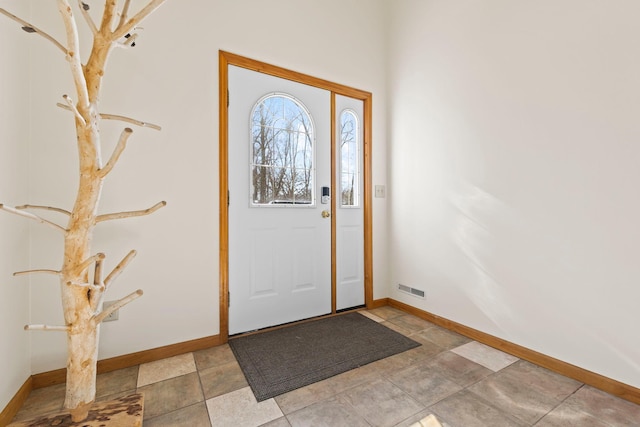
(82, 290)
(83, 335)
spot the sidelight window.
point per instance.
(349, 156)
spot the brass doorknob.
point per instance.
(326, 214)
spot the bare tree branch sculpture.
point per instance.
(82, 298)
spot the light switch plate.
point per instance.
(113, 316)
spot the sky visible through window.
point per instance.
(282, 170)
(349, 173)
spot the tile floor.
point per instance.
(462, 382)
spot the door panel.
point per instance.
(279, 251)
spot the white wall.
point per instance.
(514, 172)
(512, 165)
(171, 78)
(14, 247)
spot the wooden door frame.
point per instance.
(224, 60)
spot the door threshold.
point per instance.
(297, 322)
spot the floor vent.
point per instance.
(413, 291)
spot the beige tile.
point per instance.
(465, 409)
(344, 381)
(526, 391)
(390, 365)
(513, 397)
(280, 422)
(427, 348)
(387, 312)
(381, 403)
(399, 329)
(169, 395)
(541, 380)
(371, 316)
(410, 323)
(420, 416)
(327, 413)
(191, 416)
(301, 398)
(117, 382)
(458, 369)
(321, 390)
(214, 356)
(42, 401)
(565, 416)
(428, 421)
(486, 356)
(240, 408)
(424, 384)
(222, 379)
(165, 369)
(443, 337)
(605, 407)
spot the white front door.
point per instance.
(279, 161)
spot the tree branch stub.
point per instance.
(86, 263)
(32, 216)
(41, 270)
(84, 8)
(73, 108)
(140, 123)
(97, 273)
(126, 26)
(119, 268)
(130, 214)
(73, 53)
(108, 116)
(117, 152)
(46, 328)
(125, 13)
(49, 208)
(117, 305)
(129, 42)
(96, 296)
(30, 28)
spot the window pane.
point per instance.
(349, 155)
(282, 152)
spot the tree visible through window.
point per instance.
(282, 170)
(349, 173)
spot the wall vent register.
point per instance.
(409, 290)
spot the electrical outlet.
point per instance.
(113, 316)
(379, 191)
